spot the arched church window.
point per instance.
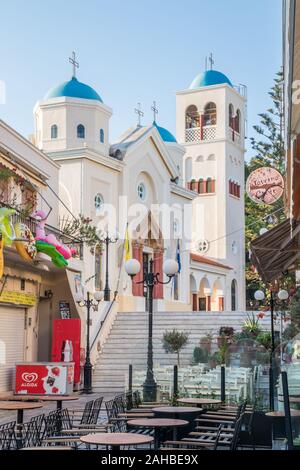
(238, 121)
(98, 267)
(141, 190)
(210, 114)
(54, 131)
(209, 186)
(102, 136)
(233, 295)
(231, 113)
(192, 117)
(80, 131)
(202, 186)
(99, 201)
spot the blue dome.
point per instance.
(165, 134)
(73, 89)
(209, 78)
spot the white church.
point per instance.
(195, 180)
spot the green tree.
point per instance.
(268, 147)
(174, 341)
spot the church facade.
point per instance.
(179, 198)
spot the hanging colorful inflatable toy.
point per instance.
(50, 245)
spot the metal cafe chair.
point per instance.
(7, 436)
(32, 432)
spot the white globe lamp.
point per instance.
(98, 295)
(170, 267)
(132, 267)
(283, 294)
(259, 295)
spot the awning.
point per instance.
(27, 175)
(277, 251)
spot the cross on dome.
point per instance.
(75, 64)
(211, 61)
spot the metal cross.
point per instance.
(155, 110)
(75, 64)
(211, 60)
(140, 113)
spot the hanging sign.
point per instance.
(265, 186)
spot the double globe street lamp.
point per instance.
(282, 295)
(150, 280)
(91, 301)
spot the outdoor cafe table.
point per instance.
(158, 424)
(187, 413)
(19, 407)
(278, 428)
(32, 398)
(116, 439)
(199, 401)
(281, 414)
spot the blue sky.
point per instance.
(135, 50)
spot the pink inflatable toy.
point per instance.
(64, 250)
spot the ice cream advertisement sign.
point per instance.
(42, 379)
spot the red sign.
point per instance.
(63, 330)
(44, 379)
(265, 186)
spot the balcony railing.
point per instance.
(198, 134)
(32, 224)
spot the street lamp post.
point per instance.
(89, 302)
(170, 268)
(108, 240)
(260, 296)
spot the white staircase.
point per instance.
(127, 343)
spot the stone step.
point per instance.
(127, 343)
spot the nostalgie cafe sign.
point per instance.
(265, 186)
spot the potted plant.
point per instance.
(225, 335)
(200, 355)
(205, 342)
(214, 359)
(174, 341)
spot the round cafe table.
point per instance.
(199, 401)
(188, 413)
(281, 414)
(116, 439)
(278, 428)
(19, 407)
(158, 424)
(34, 398)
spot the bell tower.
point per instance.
(210, 120)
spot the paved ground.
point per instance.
(6, 416)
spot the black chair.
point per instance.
(85, 416)
(7, 436)
(33, 432)
(95, 412)
(194, 444)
